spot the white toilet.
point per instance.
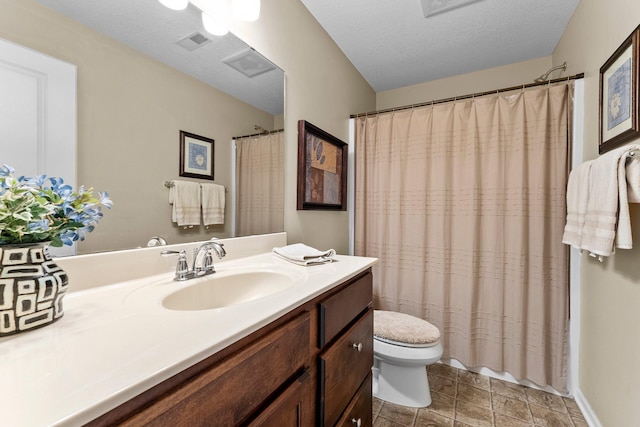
(403, 346)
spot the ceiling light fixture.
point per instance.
(246, 10)
(175, 4)
(215, 26)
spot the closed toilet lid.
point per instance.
(404, 329)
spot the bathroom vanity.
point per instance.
(310, 364)
(299, 356)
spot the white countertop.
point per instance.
(116, 341)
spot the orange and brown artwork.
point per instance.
(323, 177)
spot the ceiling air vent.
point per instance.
(250, 63)
(193, 41)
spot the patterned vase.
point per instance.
(31, 288)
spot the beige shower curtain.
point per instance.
(464, 205)
(260, 184)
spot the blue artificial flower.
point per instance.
(6, 170)
(36, 209)
(81, 232)
(68, 237)
(37, 182)
(39, 226)
(105, 200)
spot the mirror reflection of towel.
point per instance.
(185, 198)
(213, 201)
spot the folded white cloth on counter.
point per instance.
(185, 198)
(301, 254)
(213, 201)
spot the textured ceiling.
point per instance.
(392, 44)
(151, 28)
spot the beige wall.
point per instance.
(464, 84)
(322, 87)
(130, 111)
(117, 99)
(610, 292)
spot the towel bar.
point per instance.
(169, 184)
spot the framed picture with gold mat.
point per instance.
(322, 169)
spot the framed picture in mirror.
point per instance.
(322, 169)
(196, 156)
(619, 95)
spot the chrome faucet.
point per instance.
(156, 241)
(206, 266)
(203, 268)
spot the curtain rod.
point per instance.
(259, 133)
(455, 98)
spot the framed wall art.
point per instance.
(322, 169)
(619, 95)
(196, 156)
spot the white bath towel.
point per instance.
(633, 178)
(213, 201)
(607, 222)
(185, 198)
(624, 239)
(577, 198)
(301, 254)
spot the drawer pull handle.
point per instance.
(357, 422)
(357, 346)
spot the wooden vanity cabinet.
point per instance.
(344, 364)
(310, 367)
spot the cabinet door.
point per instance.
(292, 408)
(343, 368)
(359, 413)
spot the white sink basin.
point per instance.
(215, 291)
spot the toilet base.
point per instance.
(402, 385)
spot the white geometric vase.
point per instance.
(32, 287)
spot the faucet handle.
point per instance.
(182, 268)
(207, 265)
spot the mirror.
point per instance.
(137, 89)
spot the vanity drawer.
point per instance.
(340, 309)
(360, 410)
(343, 367)
(232, 390)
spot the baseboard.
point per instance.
(588, 413)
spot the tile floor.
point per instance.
(466, 399)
